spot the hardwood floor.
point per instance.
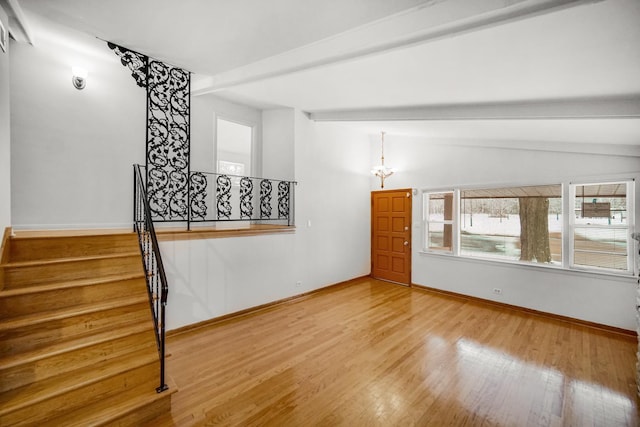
(379, 354)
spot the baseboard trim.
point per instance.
(620, 331)
(253, 310)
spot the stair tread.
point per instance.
(102, 368)
(52, 261)
(31, 319)
(72, 344)
(52, 286)
(57, 234)
(108, 410)
(30, 394)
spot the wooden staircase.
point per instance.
(77, 341)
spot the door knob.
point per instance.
(406, 243)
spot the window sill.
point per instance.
(623, 277)
(215, 232)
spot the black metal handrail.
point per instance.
(152, 262)
(201, 197)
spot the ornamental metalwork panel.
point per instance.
(283, 200)
(168, 122)
(246, 198)
(168, 108)
(198, 197)
(134, 61)
(223, 196)
(265, 198)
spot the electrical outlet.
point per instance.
(298, 284)
(497, 291)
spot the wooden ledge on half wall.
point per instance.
(232, 229)
(167, 233)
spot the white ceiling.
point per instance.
(585, 51)
(212, 36)
(371, 55)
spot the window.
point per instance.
(600, 226)
(526, 224)
(233, 150)
(514, 223)
(439, 221)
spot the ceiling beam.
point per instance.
(433, 20)
(19, 27)
(612, 107)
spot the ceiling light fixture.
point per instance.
(381, 170)
(79, 78)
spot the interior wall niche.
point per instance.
(168, 128)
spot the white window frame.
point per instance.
(454, 222)
(630, 227)
(568, 224)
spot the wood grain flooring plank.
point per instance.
(373, 353)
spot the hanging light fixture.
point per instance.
(381, 170)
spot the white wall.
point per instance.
(5, 136)
(72, 150)
(332, 170)
(210, 278)
(278, 139)
(431, 165)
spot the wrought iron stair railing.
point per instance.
(204, 197)
(152, 262)
(210, 197)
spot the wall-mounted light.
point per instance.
(79, 78)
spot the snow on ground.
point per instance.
(486, 225)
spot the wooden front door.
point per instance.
(391, 235)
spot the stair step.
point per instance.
(55, 396)
(30, 273)
(37, 318)
(68, 284)
(36, 365)
(48, 245)
(77, 339)
(33, 299)
(60, 347)
(132, 408)
(29, 332)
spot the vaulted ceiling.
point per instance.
(501, 70)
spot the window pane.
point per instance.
(439, 236)
(515, 223)
(439, 218)
(440, 206)
(601, 204)
(601, 239)
(601, 226)
(590, 259)
(436, 207)
(601, 247)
